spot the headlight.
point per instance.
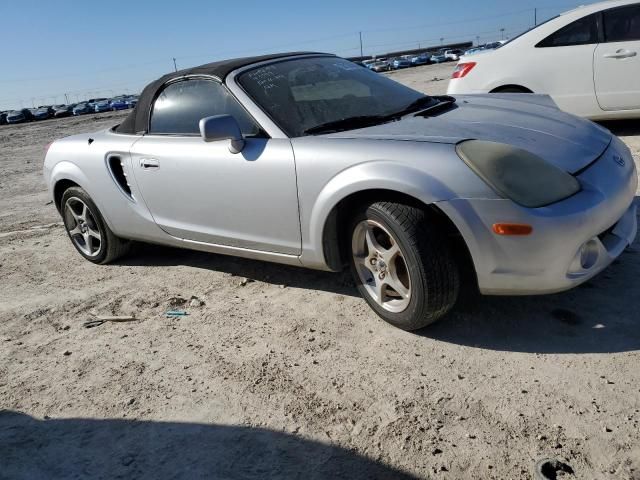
(517, 174)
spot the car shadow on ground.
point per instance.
(600, 316)
(267, 272)
(94, 448)
(622, 127)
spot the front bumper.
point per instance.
(572, 240)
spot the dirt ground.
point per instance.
(290, 374)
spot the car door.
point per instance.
(201, 191)
(563, 64)
(617, 60)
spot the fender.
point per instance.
(374, 175)
(65, 170)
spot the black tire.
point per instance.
(430, 263)
(111, 247)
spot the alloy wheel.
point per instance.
(381, 266)
(82, 227)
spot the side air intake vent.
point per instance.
(116, 165)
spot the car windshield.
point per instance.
(303, 94)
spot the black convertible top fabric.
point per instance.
(138, 119)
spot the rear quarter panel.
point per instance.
(77, 159)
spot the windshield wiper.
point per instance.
(418, 104)
(442, 103)
(423, 105)
(348, 123)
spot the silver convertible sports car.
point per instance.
(308, 159)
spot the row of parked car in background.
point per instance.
(45, 112)
(425, 58)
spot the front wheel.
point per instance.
(88, 231)
(402, 265)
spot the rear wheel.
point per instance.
(511, 89)
(86, 228)
(402, 265)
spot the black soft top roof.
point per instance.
(138, 119)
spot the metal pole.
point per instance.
(535, 17)
(361, 54)
(66, 98)
(502, 33)
(175, 68)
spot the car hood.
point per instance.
(530, 122)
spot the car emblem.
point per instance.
(619, 160)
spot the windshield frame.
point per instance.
(262, 115)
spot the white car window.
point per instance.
(622, 24)
(581, 32)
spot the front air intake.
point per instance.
(116, 166)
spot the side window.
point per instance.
(181, 105)
(580, 32)
(622, 24)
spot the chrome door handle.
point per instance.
(621, 54)
(149, 163)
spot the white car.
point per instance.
(587, 60)
(453, 55)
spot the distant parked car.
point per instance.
(587, 60)
(15, 116)
(28, 114)
(3, 118)
(103, 106)
(92, 102)
(399, 63)
(60, 111)
(493, 45)
(118, 104)
(473, 51)
(132, 101)
(423, 59)
(82, 109)
(20, 116)
(440, 58)
(43, 113)
(368, 63)
(381, 67)
(453, 55)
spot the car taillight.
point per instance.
(462, 69)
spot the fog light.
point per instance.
(589, 254)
